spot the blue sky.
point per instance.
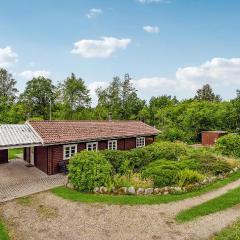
(167, 46)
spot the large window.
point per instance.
(69, 151)
(92, 146)
(140, 142)
(112, 145)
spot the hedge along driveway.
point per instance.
(73, 195)
(223, 202)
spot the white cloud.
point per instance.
(150, 86)
(219, 72)
(7, 57)
(154, 1)
(102, 48)
(94, 12)
(223, 74)
(215, 71)
(28, 75)
(151, 29)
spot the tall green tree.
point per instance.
(131, 103)
(75, 93)
(8, 88)
(120, 98)
(8, 96)
(206, 93)
(38, 96)
(109, 99)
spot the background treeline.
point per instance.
(179, 120)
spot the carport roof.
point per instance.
(18, 135)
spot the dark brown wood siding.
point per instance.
(3, 156)
(55, 152)
(41, 158)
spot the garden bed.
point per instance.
(159, 169)
(74, 195)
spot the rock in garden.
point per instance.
(122, 190)
(148, 191)
(140, 191)
(103, 190)
(96, 190)
(156, 191)
(69, 185)
(131, 190)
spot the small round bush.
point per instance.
(229, 145)
(88, 170)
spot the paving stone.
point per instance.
(17, 180)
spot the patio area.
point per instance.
(18, 180)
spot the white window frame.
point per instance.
(90, 144)
(70, 146)
(111, 144)
(140, 142)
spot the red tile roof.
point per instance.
(76, 131)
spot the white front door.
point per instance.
(32, 155)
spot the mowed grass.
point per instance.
(227, 200)
(12, 153)
(73, 195)
(3, 232)
(230, 233)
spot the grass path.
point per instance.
(230, 233)
(134, 200)
(3, 232)
(220, 203)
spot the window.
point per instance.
(93, 146)
(69, 151)
(112, 145)
(140, 142)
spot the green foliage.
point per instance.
(75, 96)
(166, 150)
(174, 134)
(134, 180)
(88, 170)
(206, 93)
(209, 163)
(118, 159)
(3, 232)
(229, 145)
(164, 172)
(138, 158)
(37, 96)
(186, 177)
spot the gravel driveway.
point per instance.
(47, 216)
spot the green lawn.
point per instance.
(3, 232)
(220, 203)
(13, 152)
(73, 195)
(230, 233)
